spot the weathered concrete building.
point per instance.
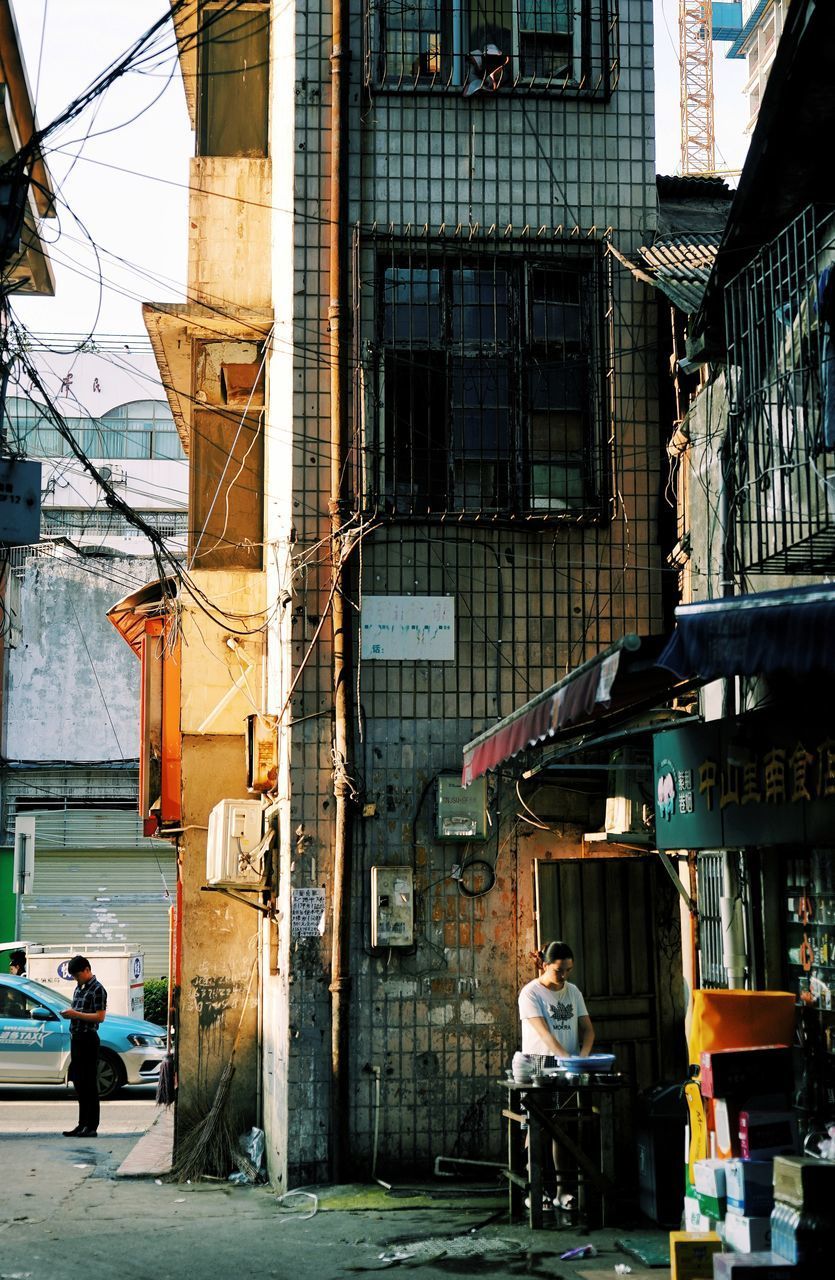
(69, 728)
(419, 398)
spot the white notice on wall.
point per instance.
(307, 919)
(408, 628)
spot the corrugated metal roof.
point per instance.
(691, 186)
(680, 267)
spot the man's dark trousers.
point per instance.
(84, 1059)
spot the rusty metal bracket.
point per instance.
(667, 864)
(265, 908)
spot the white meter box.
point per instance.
(233, 847)
(460, 812)
(392, 907)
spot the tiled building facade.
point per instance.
(491, 197)
(503, 459)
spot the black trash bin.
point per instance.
(661, 1120)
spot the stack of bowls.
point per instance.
(523, 1068)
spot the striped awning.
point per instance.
(622, 676)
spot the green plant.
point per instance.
(156, 1001)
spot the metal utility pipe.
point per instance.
(341, 623)
(731, 913)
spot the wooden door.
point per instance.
(604, 909)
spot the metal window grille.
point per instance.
(780, 317)
(483, 386)
(709, 872)
(169, 524)
(556, 46)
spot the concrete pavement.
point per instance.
(65, 1216)
(51, 1108)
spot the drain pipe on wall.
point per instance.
(341, 622)
(731, 906)
(732, 916)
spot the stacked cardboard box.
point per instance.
(691, 1255)
(803, 1217)
(755, 1266)
(745, 1093)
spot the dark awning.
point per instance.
(623, 676)
(788, 631)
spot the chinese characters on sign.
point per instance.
(774, 776)
(408, 628)
(308, 913)
(759, 780)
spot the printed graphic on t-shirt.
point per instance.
(562, 1013)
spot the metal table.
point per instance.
(547, 1111)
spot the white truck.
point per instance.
(121, 972)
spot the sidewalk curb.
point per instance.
(153, 1154)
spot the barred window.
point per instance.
(488, 384)
(560, 45)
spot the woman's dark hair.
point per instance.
(556, 951)
(18, 959)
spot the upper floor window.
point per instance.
(141, 429)
(567, 46)
(488, 387)
(233, 77)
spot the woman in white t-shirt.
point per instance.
(555, 1024)
(555, 1021)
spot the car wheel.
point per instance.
(111, 1074)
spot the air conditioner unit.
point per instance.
(628, 794)
(628, 798)
(234, 850)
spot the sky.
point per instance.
(121, 169)
(730, 107)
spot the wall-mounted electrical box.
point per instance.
(392, 907)
(261, 753)
(460, 812)
(233, 849)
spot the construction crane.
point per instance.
(695, 33)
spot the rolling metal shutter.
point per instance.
(87, 894)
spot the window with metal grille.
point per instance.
(563, 46)
(487, 368)
(711, 955)
(780, 322)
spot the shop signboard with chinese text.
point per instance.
(758, 780)
(684, 816)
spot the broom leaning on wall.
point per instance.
(208, 1145)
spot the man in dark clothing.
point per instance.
(17, 963)
(89, 1003)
